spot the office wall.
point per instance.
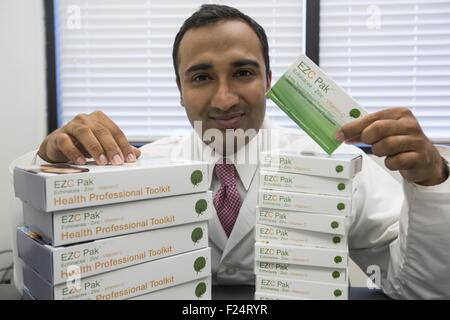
(22, 96)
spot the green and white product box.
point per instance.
(305, 202)
(314, 102)
(303, 183)
(194, 290)
(125, 283)
(92, 185)
(302, 220)
(299, 272)
(319, 257)
(57, 265)
(342, 166)
(265, 233)
(302, 289)
(85, 224)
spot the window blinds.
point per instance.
(116, 56)
(390, 54)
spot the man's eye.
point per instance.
(244, 73)
(199, 78)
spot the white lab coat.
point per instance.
(404, 230)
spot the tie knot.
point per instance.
(226, 173)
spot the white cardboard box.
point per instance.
(57, 265)
(127, 282)
(271, 296)
(299, 272)
(265, 233)
(92, 185)
(194, 290)
(302, 289)
(282, 253)
(84, 224)
(305, 202)
(302, 220)
(274, 180)
(344, 166)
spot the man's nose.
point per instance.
(224, 98)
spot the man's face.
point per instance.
(222, 76)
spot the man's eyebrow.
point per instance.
(245, 62)
(197, 67)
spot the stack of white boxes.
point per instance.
(137, 231)
(304, 202)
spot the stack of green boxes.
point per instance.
(304, 202)
(137, 231)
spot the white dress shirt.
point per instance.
(404, 229)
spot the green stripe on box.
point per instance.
(305, 114)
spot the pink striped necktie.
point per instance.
(227, 200)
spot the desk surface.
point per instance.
(8, 292)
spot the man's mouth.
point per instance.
(228, 121)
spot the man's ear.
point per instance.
(269, 80)
(181, 93)
(181, 100)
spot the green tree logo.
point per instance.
(199, 264)
(196, 177)
(196, 234)
(200, 290)
(337, 293)
(355, 113)
(201, 206)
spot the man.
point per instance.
(222, 67)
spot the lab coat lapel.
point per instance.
(216, 232)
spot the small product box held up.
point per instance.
(314, 102)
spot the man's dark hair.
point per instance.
(212, 13)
